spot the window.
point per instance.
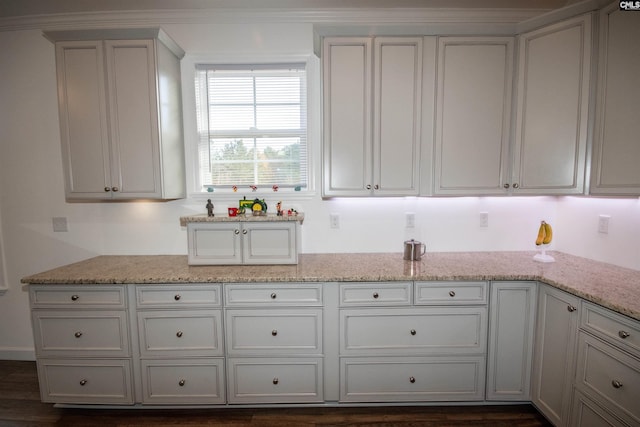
(252, 126)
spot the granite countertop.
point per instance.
(613, 287)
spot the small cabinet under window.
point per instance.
(243, 242)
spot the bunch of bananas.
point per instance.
(545, 234)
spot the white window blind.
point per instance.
(252, 125)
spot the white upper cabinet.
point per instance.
(615, 168)
(372, 113)
(550, 140)
(472, 115)
(120, 114)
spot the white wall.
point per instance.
(31, 190)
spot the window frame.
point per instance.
(194, 187)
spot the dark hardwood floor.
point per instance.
(20, 406)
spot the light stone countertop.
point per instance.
(270, 217)
(613, 287)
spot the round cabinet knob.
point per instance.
(181, 383)
(77, 334)
(571, 308)
(179, 334)
(273, 295)
(616, 384)
(107, 189)
(236, 231)
(623, 334)
(244, 231)
(516, 185)
(75, 297)
(506, 186)
(114, 189)
(83, 382)
(177, 297)
(376, 295)
(276, 380)
(413, 332)
(274, 332)
(376, 187)
(412, 380)
(368, 187)
(452, 294)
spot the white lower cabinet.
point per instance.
(554, 353)
(181, 344)
(81, 336)
(512, 311)
(274, 343)
(406, 352)
(586, 413)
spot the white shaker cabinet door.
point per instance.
(552, 108)
(83, 118)
(473, 115)
(134, 118)
(616, 153)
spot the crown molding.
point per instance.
(418, 17)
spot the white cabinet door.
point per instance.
(372, 112)
(269, 243)
(511, 329)
(135, 160)
(552, 108)
(211, 244)
(473, 115)
(83, 118)
(554, 353)
(616, 149)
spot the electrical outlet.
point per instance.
(334, 220)
(59, 224)
(484, 219)
(410, 220)
(603, 224)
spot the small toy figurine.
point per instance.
(279, 209)
(209, 208)
(275, 188)
(235, 188)
(253, 187)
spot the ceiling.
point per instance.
(14, 8)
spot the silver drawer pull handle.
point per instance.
(75, 297)
(276, 380)
(616, 384)
(177, 297)
(413, 332)
(77, 334)
(83, 382)
(107, 188)
(236, 231)
(179, 334)
(274, 332)
(273, 295)
(571, 308)
(181, 383)
(114, 188)
(452, 294)
(244, 231)
(376, 295)
(412, 380)
(623, 334)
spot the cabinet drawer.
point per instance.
(184, 333)
(193, 381)
(586, 413)
(285, 380)
(375, 294)
(448, 293)
(80, 381)
(81, 333)
(259, 332)
(609, 376)
(77, 296)
(172, 296)
(387, 379)
(611, 327)
(461, 330)
(273, 294)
